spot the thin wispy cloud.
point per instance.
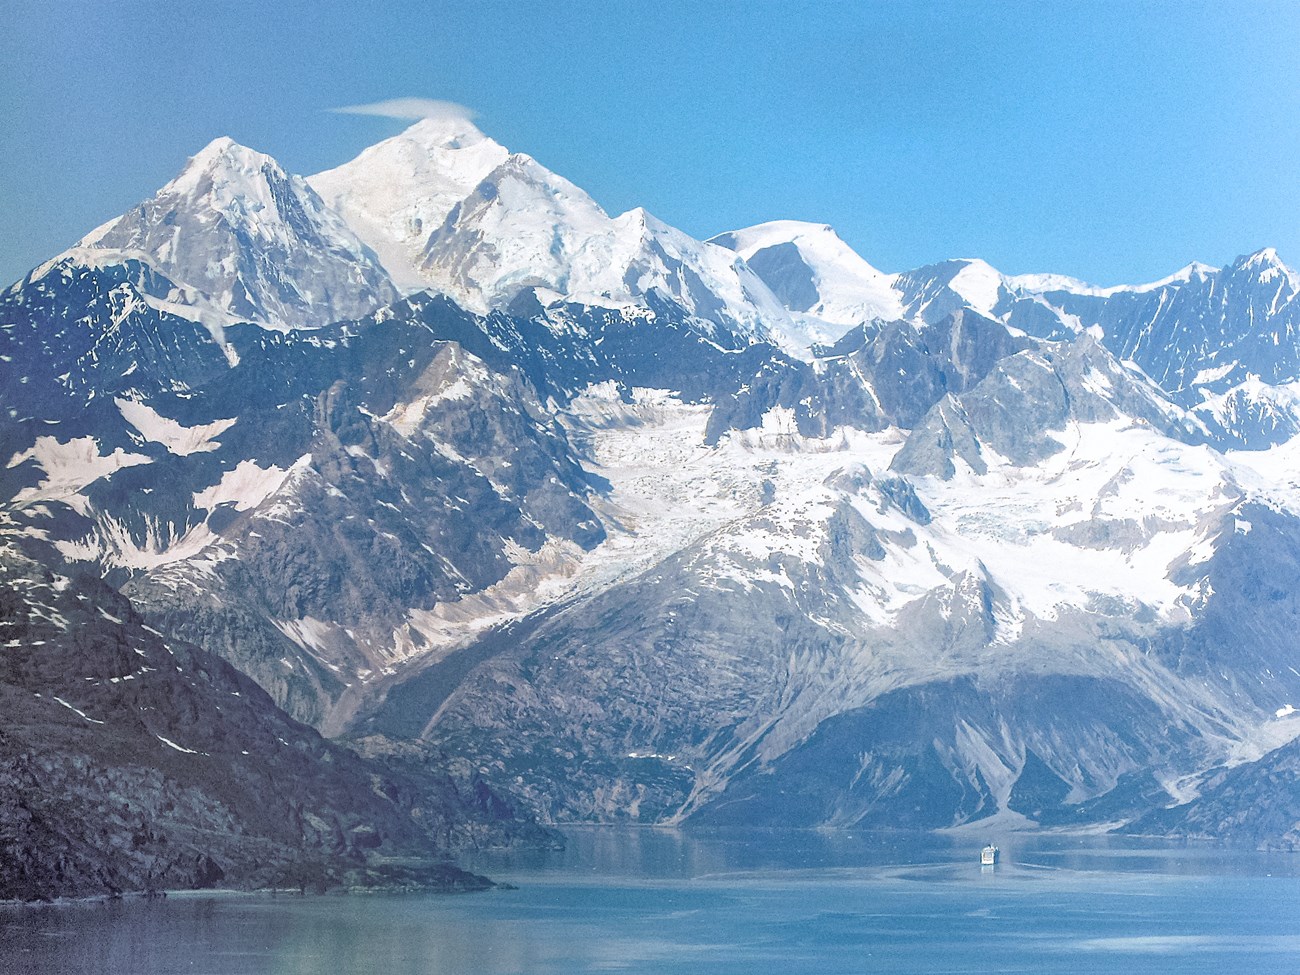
(410, 109)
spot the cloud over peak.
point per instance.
(411, 109)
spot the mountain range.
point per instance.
(456, 483)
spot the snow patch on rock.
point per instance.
(70, 467)
(178, 439)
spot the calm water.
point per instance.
(649, 901)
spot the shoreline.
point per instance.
(434, 878)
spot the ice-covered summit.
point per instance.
(1266, 267)
(258, 243)
(399, 191)
(521, 226)
(443, 207)
(229, 170)
(816, 275)
(450, 210)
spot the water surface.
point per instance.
(652, 901)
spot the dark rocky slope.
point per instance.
(133, 762)
(1257, 804)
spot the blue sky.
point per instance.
(1115, 142)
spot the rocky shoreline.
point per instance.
(382, 879)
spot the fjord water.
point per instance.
(655, 901)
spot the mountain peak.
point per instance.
(644, 221)
(774, 232)
(1266, 266)
(444, 132)
(815, 274)
(250, 240)
(979, 283)
(223, 177)
(1265, 257)
(396, 193)
(224, 158)
(220, 144)
(1196, 269)
(529, 192)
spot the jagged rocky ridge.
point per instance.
(763, 538)
(1219, 342)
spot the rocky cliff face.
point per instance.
(135, 762)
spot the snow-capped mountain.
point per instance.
(823, 282)
(395, 194)
(1223, 342)
(647, 528)
(1253, 412)
(1204, 328)
(1208, 336)
(452, 211)
(254, 242)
